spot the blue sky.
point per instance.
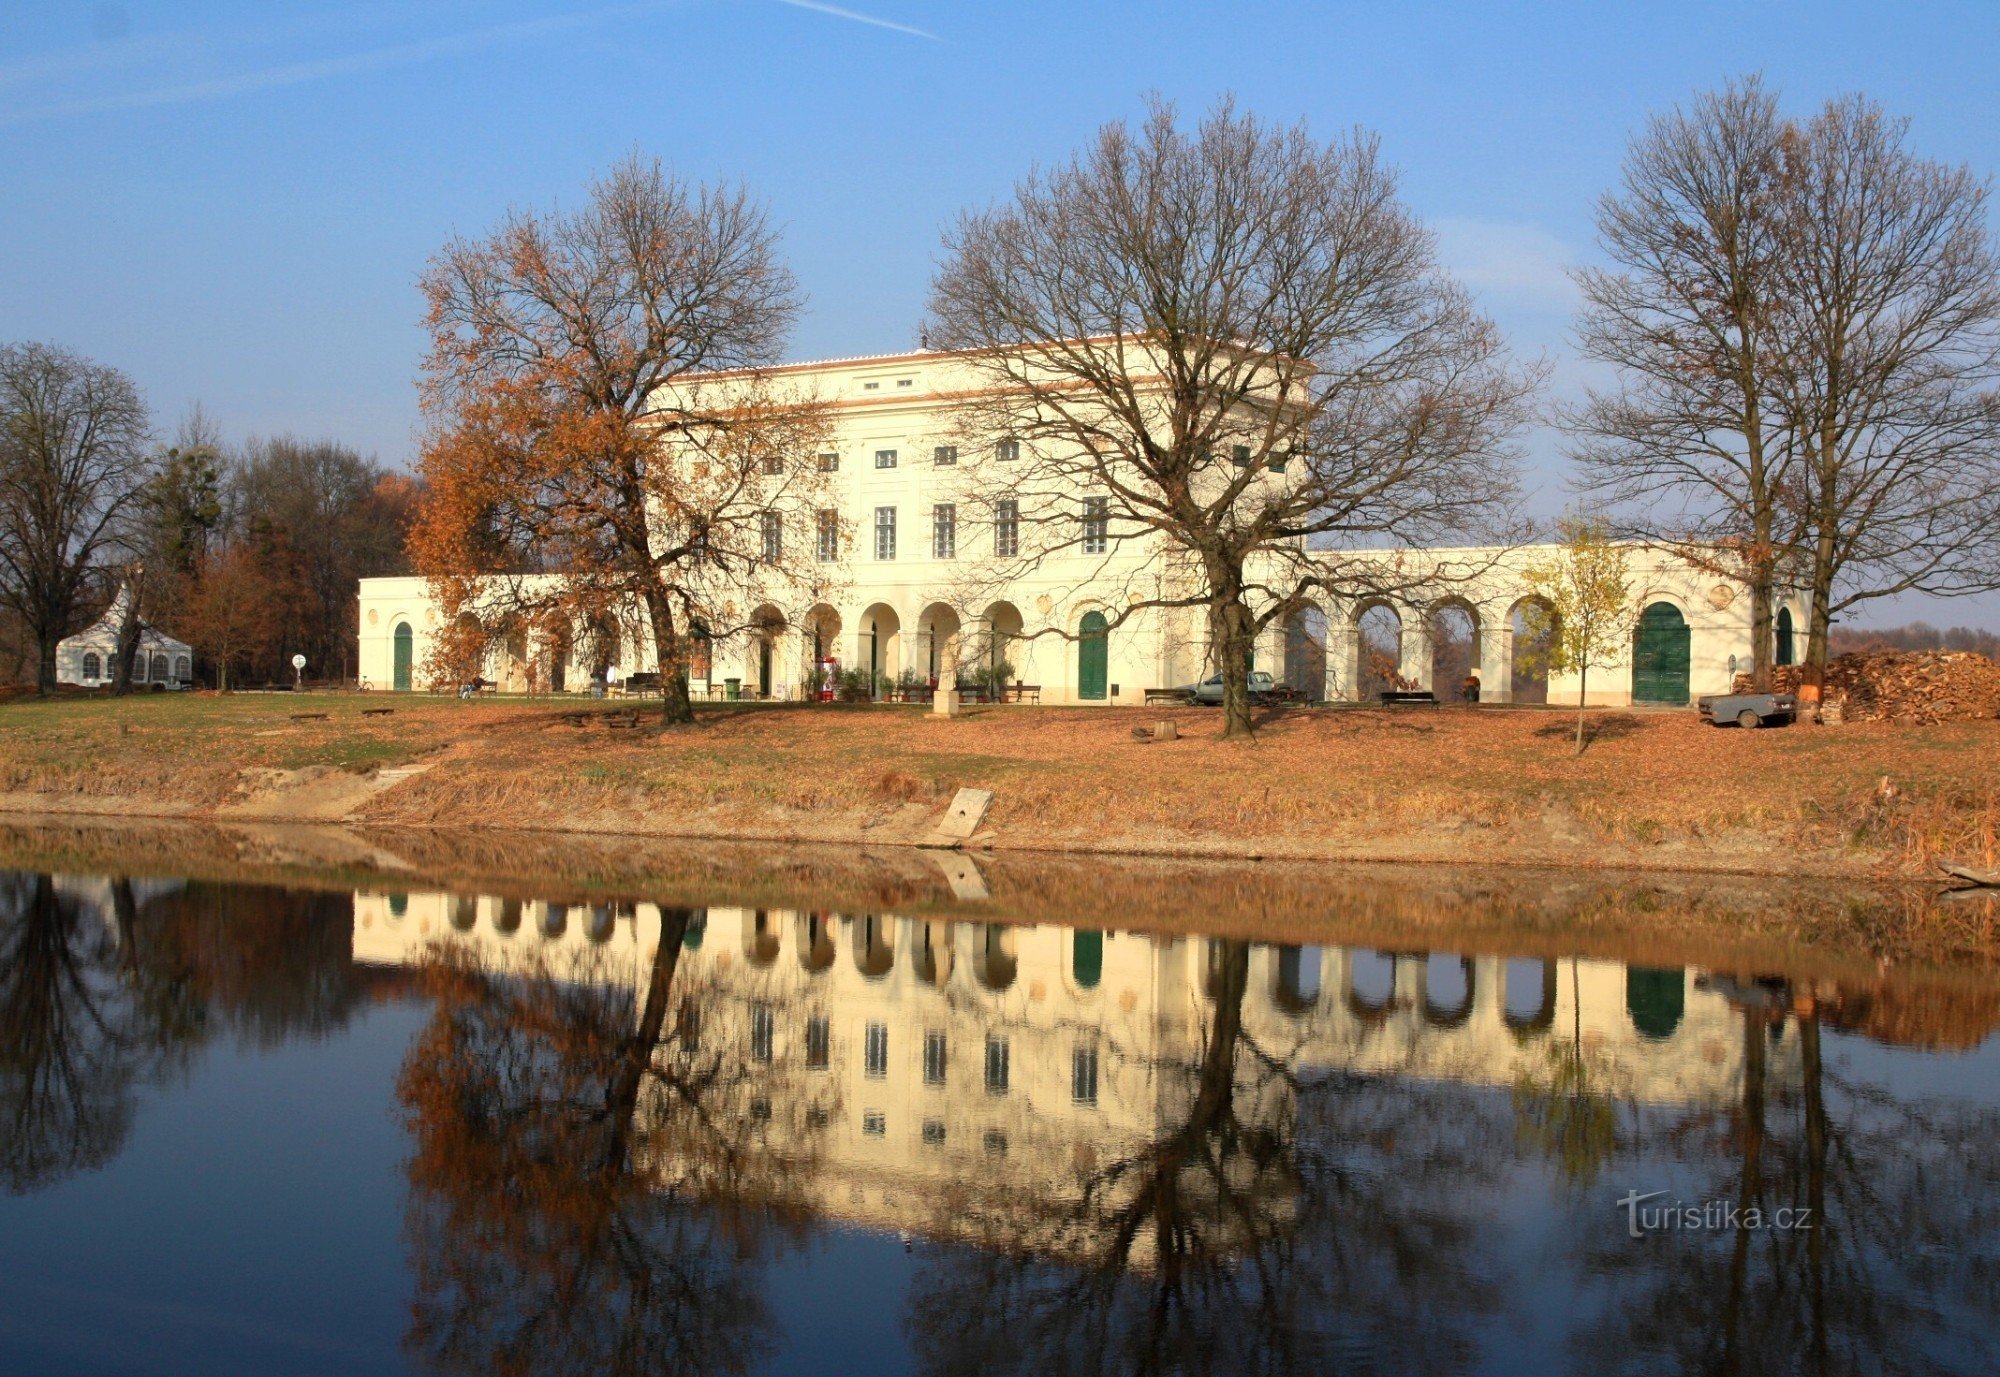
(232, 201)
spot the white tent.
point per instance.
(90, 657)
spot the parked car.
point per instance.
(1263, 688)
(1747, 709)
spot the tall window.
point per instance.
(819, 1041)
(1007, 528)
(774, 537)
(885, 458)
(828, 535)
(91, 664)
(1096, 524)
(944, 531)
(773, 464)
(763, 1024)
(934, 1058)
(875, 1054)
(1007, 449)
(885, 533)
(829, 462)
(996, 1066)
(1083, 1075)
(944, 456)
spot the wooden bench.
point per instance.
(1024, 693)
(1409, 698)
(308, 717)
(1165, 695)
(376, 712)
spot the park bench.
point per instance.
(1024, 693)
(1409, 698)
(621, 721)
(308, 717)
(376, 712)
(1165, 695)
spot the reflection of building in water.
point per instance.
(1022, 1054)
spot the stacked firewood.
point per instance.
(1902, 686)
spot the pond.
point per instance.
(264, 1108)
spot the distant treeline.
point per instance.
(1916, 636)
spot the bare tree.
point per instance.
(74, 459)
(581, 464)
(1892, 293)
(1690, 443)
(1214, 351)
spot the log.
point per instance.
(1985, 879)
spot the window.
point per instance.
(874, 1123)
(1007, 449)
(829, 463)
(760, 1110)
(1278, 460)
(876, 1053)
(934, 1133)
(885, 458)
(1240, 456)
(819, 1040)
(1096, 524)
(944, 456)
(1007, 528)
(763, 1023)
(934, 1058)
(1083, 1075)
(996, 1142)
(996, 1066)
(182, 669)
(944, 531)
(773, 464)
(906, 382)
(91, 664)
(774, 537)
(885, 533)
(827, 535)
(871, 386)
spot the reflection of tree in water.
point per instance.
(1899, 1273)
(1270, 1226)
(94, 1004)
(594, 1185)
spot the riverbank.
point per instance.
(1655, 790)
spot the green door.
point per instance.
(1660, 656)
(1093, 656)
(403, 654)
(1086, 958)
(1655, 998)
(1786, 653)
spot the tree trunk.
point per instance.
(1582, 692)
(128, 643)
(676, 706)
(1761, 635)
(621, 1097)
(45, 661)
(1232, 633)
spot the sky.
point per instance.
(232, 202)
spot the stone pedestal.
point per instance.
(944, 703)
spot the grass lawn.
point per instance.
(1489, 784)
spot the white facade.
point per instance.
(89, 659)
(917, 589)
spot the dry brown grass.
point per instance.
(1487, 785)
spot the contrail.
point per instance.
(821, 7)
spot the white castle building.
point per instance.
(914, 592)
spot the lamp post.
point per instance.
(298, 673)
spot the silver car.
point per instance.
(1208, 693)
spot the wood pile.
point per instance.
(1915, 686)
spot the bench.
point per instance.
(621, 721)
(1409, 698)
(1165, 695)
(376, 712)
(1024, 693)
(308, 717)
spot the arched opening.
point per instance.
(555, 918)
(1447, 990)
(1093, 657)
(139, 667)
(1786, 651)
(1454, 637)
(938, 628)
(696, 929)
(767, 630)
(464, 912)
(513, 668)
(92, 665)
(183, 669)
(1533, 623)
(1371, 985)
(1004, 628)
(1305, 651)
(399, 905)
(404, 656)
(934, 954)
(557, 643)
(1656, 999)
(1297, 983)
(1528, 1001)
(160, 671)
(604, 646)
(760, 940)
(507, 918)
(874, 945)
(1086, 958)
(822, 627)
(701, 653)
(599, 923)
(1660, 656)
(816, 942)
(882, 643)
(1381, 645)
(993, 963)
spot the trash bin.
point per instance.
(732, 689)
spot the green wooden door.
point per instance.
(1086, 958)
(404, 642)
(1786, 653)
(1655, 998)
(1093, 656)
(1660, 656)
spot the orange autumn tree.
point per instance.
(605, 453)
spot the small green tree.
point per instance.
(1580, 612)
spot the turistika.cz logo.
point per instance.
(1712, 1216)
